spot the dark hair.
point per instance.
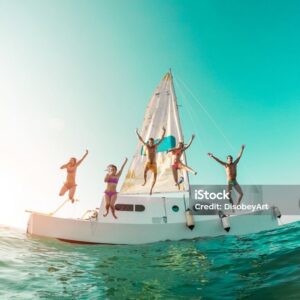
(229, 156)
(151, 139)
(73, 158)
(112, 166)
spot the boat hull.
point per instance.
(144, 220)
(95, 232)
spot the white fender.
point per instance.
(276, 212)
(225, 221)
(189, 219)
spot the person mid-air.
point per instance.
(177, 164)
(231, 172)
(110, 194)
(70, 184)
(151, 150)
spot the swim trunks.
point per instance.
(232, 182)
(152, 167)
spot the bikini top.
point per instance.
(71, 170)
(112, 180)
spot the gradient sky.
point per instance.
(79, 74)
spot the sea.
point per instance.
(265, 265)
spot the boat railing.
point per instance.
(90, 214)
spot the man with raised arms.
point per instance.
(231, 172)
(151, 150)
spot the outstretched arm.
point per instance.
(240, 154)
(64, 166)
(122, 167)
(190, 143)
(140, 138)
(171, 150)
(216, 159)
(162, 137)
(83, 157)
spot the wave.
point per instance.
(262, 265)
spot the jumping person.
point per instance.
(151, 149)
(70, 184)
(231, 172)
(110, 193)
(177, 164)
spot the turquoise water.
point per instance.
(258, 266)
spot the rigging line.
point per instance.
(208, 114)
(188, 109)
(179, 129)
(249, 176)
(187, 106)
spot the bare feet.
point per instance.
(115, 216)
(144, 183)
(105, 214)
(72, 200)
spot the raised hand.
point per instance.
(210, 154)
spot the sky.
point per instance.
(77, 75)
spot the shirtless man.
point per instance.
(231, 172)
(70, 184)
(151, 149)
(177, 164)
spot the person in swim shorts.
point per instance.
(70, 184)
(151, 149)
(177, 164)
(110, 194)
(231, 173)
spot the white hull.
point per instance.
(158, 222)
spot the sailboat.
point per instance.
(142, 218)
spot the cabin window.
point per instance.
(175, 208)
(124, 207)
(139, 207)
(129, 207)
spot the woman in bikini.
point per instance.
(70, 184)
(110, 193)
(177, 164)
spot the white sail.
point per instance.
(162, 111)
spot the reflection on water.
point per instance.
(264, 265)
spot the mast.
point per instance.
(181, 137)
(161, 111)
